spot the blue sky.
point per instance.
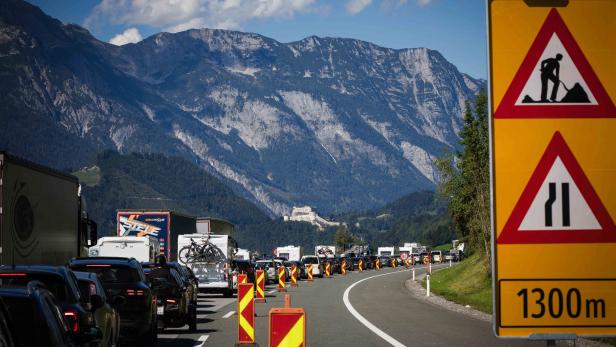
(456, 28)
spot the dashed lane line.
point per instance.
(229, 314)
(201, 340)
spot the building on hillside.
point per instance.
(306, 214)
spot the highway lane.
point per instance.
(384, 301)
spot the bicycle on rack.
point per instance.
(204, 252)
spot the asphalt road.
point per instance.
(383, 301)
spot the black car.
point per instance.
(385, 260)
(32, 317)
(372, 261)
(244, 267)
(191, 283)
(175, 306)
(62, 283)
(106, 316)
(125, 277)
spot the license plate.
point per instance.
(160, 310)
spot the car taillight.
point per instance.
(13, 275)
(132, 292)
(172, 301)
(73, 320)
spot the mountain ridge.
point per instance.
(339, 124)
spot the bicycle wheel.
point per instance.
(186, 254)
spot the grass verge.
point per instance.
(466, 284)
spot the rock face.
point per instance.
(333, 123)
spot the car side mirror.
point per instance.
(96, 301)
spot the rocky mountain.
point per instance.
(338, 124)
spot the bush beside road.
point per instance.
(466, 283)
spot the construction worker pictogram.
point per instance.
(245, 313)
(328, 269)
(378, 264)
(287, 327)
(294, 275)
(554, 60)
(260, 275)
(559, 204)
(309, 272)
(282, 286)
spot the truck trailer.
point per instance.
(385, 251)
(291, 253)
(164, 225)
(43, 219)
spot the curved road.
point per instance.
(384, 301)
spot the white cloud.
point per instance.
(130, 35)
(179, 15)
(353, 7)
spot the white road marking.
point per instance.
(272, 291)
(364, 321)
(201, 340)
(201, 316)
(229, 314)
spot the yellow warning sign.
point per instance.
(552, 92)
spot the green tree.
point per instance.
(343, 237)
(465, 178)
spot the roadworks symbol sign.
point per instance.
(555, 80)
(559, 204)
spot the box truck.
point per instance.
(164, 225)
(243, 254)
(291, 253)
(385, 251)
(213, 268)
(43, 219)
(142, 248)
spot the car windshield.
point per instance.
(264, 264)
(111, 273)
(311, 260)
(55, 284)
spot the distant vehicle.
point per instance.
(44, 219)
(292, 253)
(317, 267)
(243, 254)
(125, 277)
(209, 257)
(349, 263)
(437, 256)
(242, 267)
(62, 283)
(106, 316)
(175, 306)
(323, 251)
(163, 225)
(142, 248)
(388, 251)
(416, 257)
(385, 260)
(34, 318)
(270, 269)
(424, 257)
(448, 256)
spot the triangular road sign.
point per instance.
(555, 80)
(559, 204)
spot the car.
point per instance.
(125, 277)
(437, 256)
(33, 317)
(175, 306)
(301, 271)
(287, 273)
(106, 316)
(194, 281)
(270, 268)
(385, 260)
(192, 286)
(424, 256)
(416, 258)
(242, 267)
(289, 266)
(355, 262)
(448, 256)
(349, 263)
(372, 261)
(62, 283)
(317, 267)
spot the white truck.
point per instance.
(214, 274)
(406, 250)
(385, 251)
(243, 254)
(142, 248)
(291, 253)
